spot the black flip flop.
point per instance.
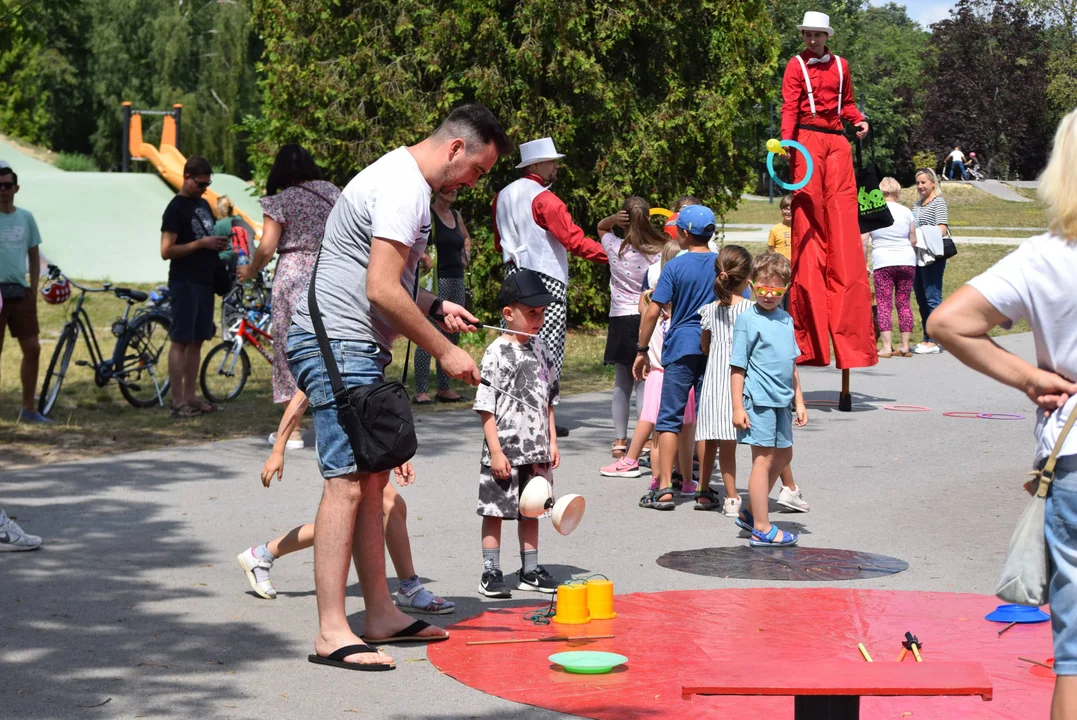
(459, 399)
(421, 402)
(336, 659)
(408, 634)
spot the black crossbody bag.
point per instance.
(377, 418)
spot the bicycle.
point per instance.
(243, 297)
(139, 359)
(218, 377)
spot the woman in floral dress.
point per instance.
(296, 206)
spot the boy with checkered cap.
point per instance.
(520, 438)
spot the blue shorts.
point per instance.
(192, 312)
(360, 363)
(1060, 530)
(771, 427)
(679, 377)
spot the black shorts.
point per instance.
(622, 339)
(192, 312)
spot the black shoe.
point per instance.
(493, 585)
(538, 580)
(562, 431)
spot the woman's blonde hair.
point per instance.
(890, 186)
(224, 207)
(1058, 183)
(934, 179)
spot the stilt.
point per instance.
(845, 400)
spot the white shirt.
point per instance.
(890, 245)
(626, 276)
(1034, 283)
(957, 156)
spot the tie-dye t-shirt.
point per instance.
(529, 372)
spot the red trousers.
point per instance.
(829, 296)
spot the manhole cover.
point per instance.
(795, 564)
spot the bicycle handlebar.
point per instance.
(54, 273)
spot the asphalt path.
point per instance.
(136, 600)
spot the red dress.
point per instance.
(830, 297)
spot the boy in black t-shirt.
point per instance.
(188, 243)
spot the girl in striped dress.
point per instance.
(714, 421)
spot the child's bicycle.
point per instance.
(139, 361)
(220, 378)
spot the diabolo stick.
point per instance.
(555, 638)
(864, 651)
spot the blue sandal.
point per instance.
(745, 521)
(650, 500)
(769, 539)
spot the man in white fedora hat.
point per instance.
(534, 230)
(829, 295)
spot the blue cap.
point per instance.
(696, 219)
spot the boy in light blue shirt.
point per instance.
(685, 285)
(765, 386)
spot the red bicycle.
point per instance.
(220, 379)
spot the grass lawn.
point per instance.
(967, 206)
(91, 421)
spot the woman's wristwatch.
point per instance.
(435, 309)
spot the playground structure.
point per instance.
(168, 160)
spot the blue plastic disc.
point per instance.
(1017, 613)
(809, 165)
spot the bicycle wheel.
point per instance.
(142, 370)
(220, 378)
(54, 376)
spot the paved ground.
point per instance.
(137, 600)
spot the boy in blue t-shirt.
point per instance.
(686, 284)
(765, 386)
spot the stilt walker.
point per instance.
(829, 296)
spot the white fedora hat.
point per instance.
(816, 21)
(538, 151)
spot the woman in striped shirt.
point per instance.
(930, 209)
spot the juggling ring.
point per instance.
(964, 414)
(1001, 416)
(661, 211)
(809, 166)
(907, 408)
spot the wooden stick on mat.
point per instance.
(555, 638)
(1007, 627)
(1035, 662)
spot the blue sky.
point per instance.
(924, 12)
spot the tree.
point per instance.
(986, 91)
(643, 97)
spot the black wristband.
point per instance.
(642, 349)
(435, 309)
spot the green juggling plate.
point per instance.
(588, 662)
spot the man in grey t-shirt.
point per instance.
(363, 287)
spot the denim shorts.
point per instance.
(360, 363)
(679, 377)
(771, 427)
(1060, 530)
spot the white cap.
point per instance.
(538, 151)
(816, 21)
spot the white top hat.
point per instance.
(538, 151)
(816, 21)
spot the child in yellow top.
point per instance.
(779, 239)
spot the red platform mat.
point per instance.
(677, 638)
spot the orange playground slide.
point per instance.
(169, 162)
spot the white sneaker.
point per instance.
(12, 537)
(290, 445)
(731, 507)
(257, 571)
(793, 499)
(923, 349)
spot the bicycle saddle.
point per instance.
(136, 295)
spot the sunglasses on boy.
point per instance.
(7, 186)
(765, 290)
(202, 185)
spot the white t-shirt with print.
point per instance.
(957, 156)
(890, 245)
(1031, 284)
(389, 199)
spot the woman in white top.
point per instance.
(894, 263)
(1035, 283)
